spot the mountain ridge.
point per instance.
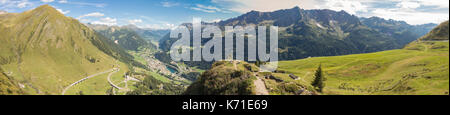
(440, 32)
(401, 31)
(44, 50)
(123, 36)
(315, 33)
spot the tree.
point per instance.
(319, 79)
(80, 93)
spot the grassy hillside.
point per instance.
(45, 51)
(7, 86)
(439, 33)
(421, 68)
(240, 78)
(223, 79)
(151, 85)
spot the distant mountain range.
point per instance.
(400, 30)
(311, 33)
(150, 34)
(126, 37)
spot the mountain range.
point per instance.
(149, 34)
(126, 37)
(313, 33)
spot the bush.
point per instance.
(221, 80)
(152, 86)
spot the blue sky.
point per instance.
(161, 14)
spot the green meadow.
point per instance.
(421, 68)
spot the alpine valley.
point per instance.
(321, 52)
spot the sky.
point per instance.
(165, 14)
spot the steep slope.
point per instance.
(45, 51)
(7, 86)
(439, 33)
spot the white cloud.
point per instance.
(62, 1)
(408, 5)
(349, 6)
(94, 14)
(102, 21)
(62, 11)
(213, 20)
(411, 17)
(12, 5)
(208, 9)
(150, 22)
(135, 21)
(158, 26)
(413, 11)
(100, 5)
(410, 11)
(46, 1)
(203, 10)
(243, 6)
(106, 21)
(23, 4)
(169, 4)
(438, 3)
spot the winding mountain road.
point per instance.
(111, 83)
(79, 81)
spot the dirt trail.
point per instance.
(235, 65)
(260, 88)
